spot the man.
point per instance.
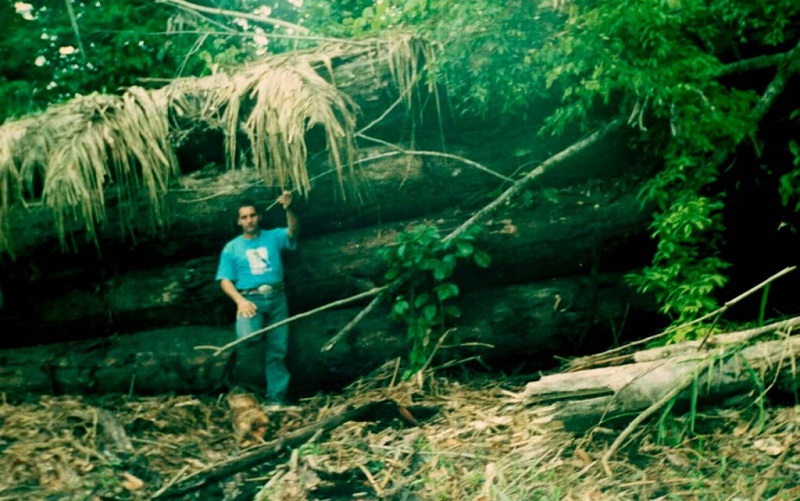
(251, 273)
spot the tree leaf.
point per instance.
(446, 290)
(482, 259)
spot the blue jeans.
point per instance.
(271, 308)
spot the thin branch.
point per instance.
(208, 19)
(402, 151)
(400, 99)
(545, 166)
(754, 63)
(74, 22)
(776, 86)
(231, 13)
(233, 33)
(220, 349)
(745, 294)
(381, 293)
(593, 360)
(198, 44)
(421, 372)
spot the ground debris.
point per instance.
(470, 440)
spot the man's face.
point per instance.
(248, 219)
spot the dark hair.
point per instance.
(247, 202)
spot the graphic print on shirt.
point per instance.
(258, 260)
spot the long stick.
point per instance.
(589, 361)
(682, 384)
(402, 151)
(488, 210)
(74, 23)
(265, 452)
(220, 349)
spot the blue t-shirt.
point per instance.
(249, 263)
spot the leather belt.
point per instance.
(264, 290)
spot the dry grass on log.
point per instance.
(482, 444)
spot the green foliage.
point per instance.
(789, 188)
(486, 58)
(483, 46)
(656, 63)
(682, 277)
(360, 18)
(126, 42)
(426, 262)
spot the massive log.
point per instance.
(392, 187)
(571, 233)
(516, 326)
(202, 207)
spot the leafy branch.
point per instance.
(427, 262)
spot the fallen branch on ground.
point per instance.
(584, 399)
(274, 448)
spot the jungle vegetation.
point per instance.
(694, 81)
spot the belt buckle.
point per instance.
(265, 289)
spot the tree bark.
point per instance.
(569, 234)
(524, 325)
(393, 187)
(203, 207)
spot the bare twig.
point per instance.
(402, 151)
(421, 372)
(400, 99)
(745, 294)
(380, 291)
(196, 46)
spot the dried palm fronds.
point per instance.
(106, 139)
(69, 155)
(10, 182)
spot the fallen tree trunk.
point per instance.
(561, 237)
(729, 366)
(202, 208)
(395, 187)
(514, 326)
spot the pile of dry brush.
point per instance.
(428, 438)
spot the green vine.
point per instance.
(426, 262)
(633, 58)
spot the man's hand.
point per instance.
(245, 309)
(285, 199)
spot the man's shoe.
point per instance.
(281, 407)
